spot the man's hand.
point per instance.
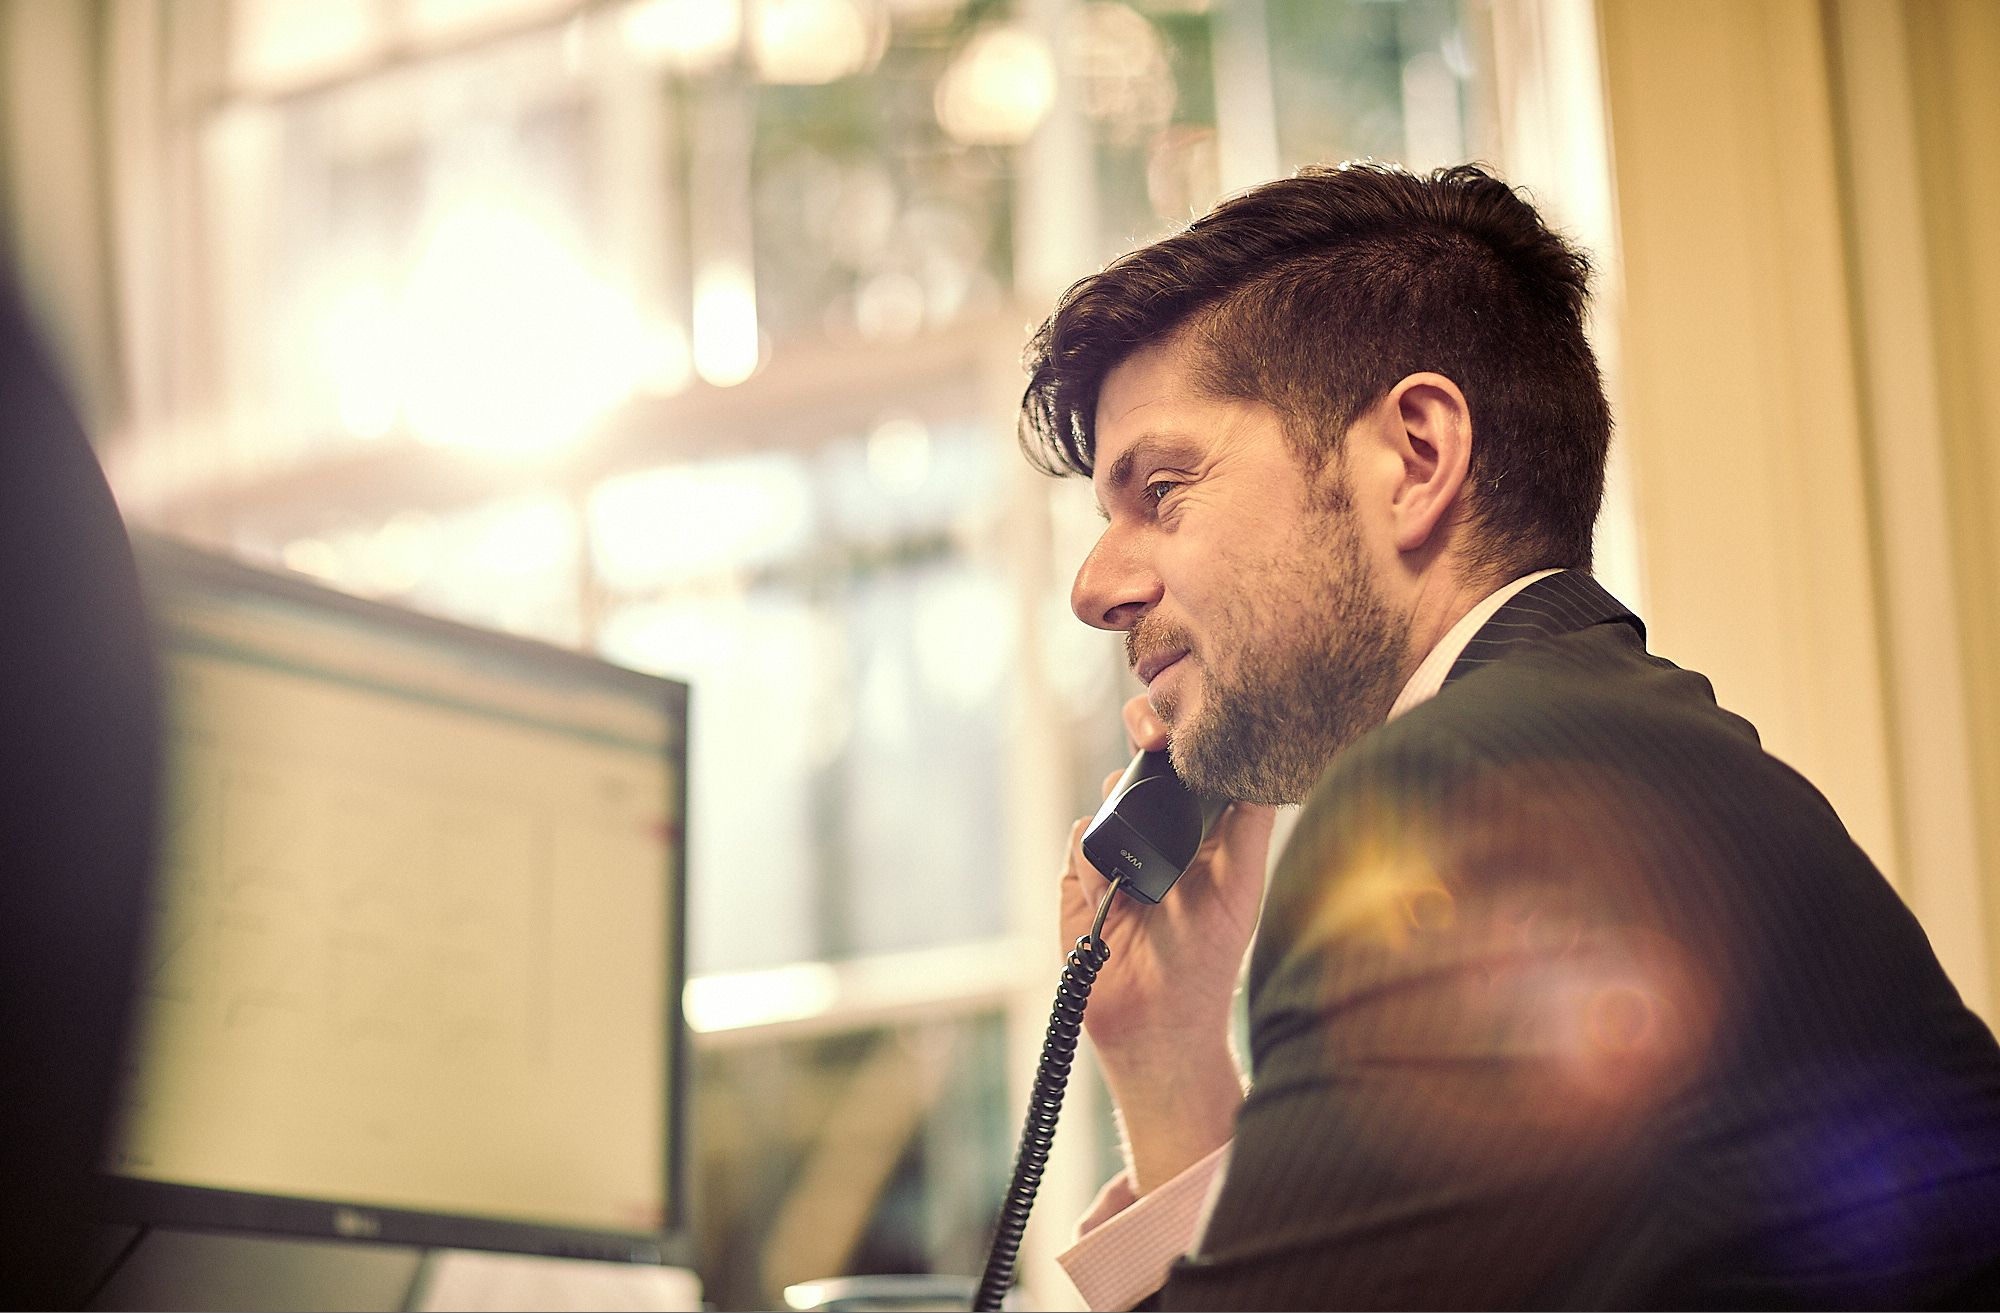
(1159, 1013)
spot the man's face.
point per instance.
(1243, 586)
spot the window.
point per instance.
(687, 331)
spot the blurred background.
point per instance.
(687, 332)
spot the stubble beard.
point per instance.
(1276, 714)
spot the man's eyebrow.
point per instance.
(1150, 447)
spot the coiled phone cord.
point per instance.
(1038, 1133)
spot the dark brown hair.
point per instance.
(1316, 293)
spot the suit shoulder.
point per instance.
(1578, 753)
(1577, 696)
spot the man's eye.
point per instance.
(1158, 490)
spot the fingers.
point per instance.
(1081, 886)
(1088, 873)
(1077, 867)
(1143, 725)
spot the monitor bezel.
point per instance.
(146, 1202)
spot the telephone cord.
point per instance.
(1045, 1104)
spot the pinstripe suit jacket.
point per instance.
(1569, 995)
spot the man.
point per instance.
(1565, 993)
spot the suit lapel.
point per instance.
(1561, 603)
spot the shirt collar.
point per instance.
(1429, 676)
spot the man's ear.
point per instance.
(1432, 433)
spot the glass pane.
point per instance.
(875, 1151)
(849, 660)
(1355, 79)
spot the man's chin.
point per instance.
(1172, 700)
(1182, 732)
(1191, 747)
(1220, 760)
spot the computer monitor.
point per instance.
(418, 942)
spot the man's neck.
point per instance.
(1431, 672)
(1441, 599)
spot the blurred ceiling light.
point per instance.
(699, 635)
(666, 359)
(759, 998)
(725, 324)
(658, 526)
(889, 308)
(403, 552)
(688, 36)
(811, 42)
(513, 346)
(998, 87)
(354, 550)
(274, 43)
(1128, 83)
(524, 539)
(899, 454)
(316, 557)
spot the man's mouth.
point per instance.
(1148, 669)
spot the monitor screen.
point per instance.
(418, 947)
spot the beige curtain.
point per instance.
(1805, 193)
(1951, 60)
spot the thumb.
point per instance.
(1143, 725)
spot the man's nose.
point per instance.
(1113, 587)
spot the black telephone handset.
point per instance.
(1149, 828)
(1142, 839)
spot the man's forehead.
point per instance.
(1147, 396)
(1161, 417)
(1154, 375)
